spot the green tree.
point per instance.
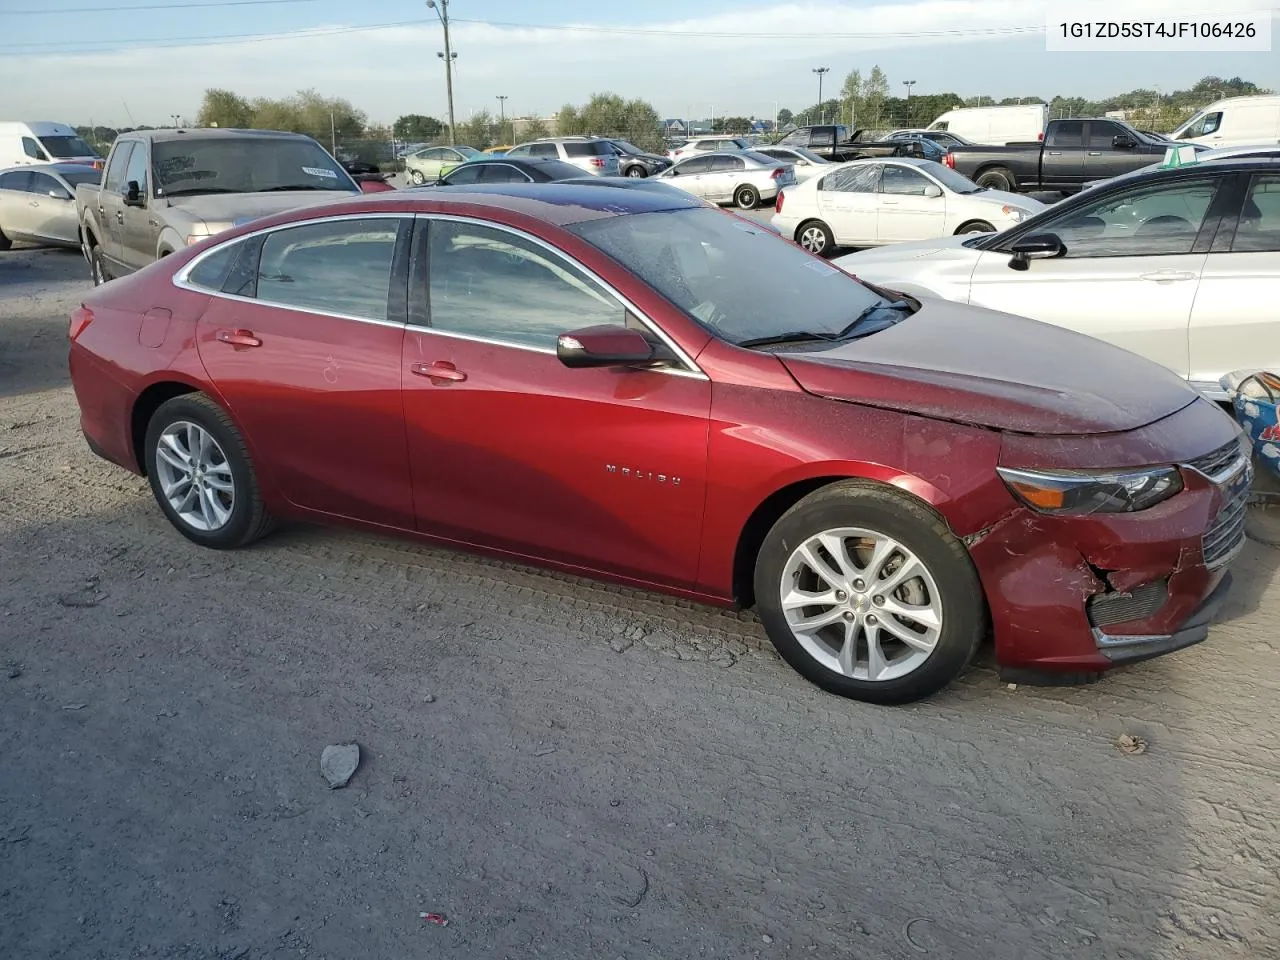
(222, 108)
(530, 129)
(874, 94)
(608, 115)
(851, 96)
(785, 116)
(478, 131)
(417, 127)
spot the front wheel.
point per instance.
(97, 269)
(747, 198)
(201, 474)
(635, 171)
(977, 226)
(416, 178)
(869, 595)
(5, 242)
(815, 236)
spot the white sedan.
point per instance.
(871, 202)
(805, 163)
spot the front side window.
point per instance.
(342, 267)
(502, 173)
(114, 179)
(691, 167)
(903, 181)
(796, 138)
(494, 285)
(727, 164)
(467, 173)
(1258, 230)
(543, 150)
(703, 263)
(861, 178)
(1150, 221)
(1101, 134)
(193, 165)
(1201, 126)
(136, 172)
(32, 149)
(45, 185)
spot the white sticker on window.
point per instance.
(320, 172)
(817, 266)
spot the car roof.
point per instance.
(59, 168)
(558, 203)
(210, 133)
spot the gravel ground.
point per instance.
(563, 769)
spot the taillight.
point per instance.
(777, 204)
(1040, 136)
(949, 160)
(597, 161)
(80, 319)
(777, 173)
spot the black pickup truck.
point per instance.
(832, 142)
(1072, 153)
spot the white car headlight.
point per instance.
(1016, 214)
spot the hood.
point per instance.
(968, 364)
(949, 248)
(220, 211)
(1020, 200)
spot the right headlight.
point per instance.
(1086, 492)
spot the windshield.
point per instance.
(630, 149)
(192, 165)
(62, 148)
(955, 182)
(709, 265)
(469, 151)
(808, 155)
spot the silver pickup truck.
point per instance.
(164, 189)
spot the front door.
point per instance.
(308, 362)
(139, 227)
(111, 202)
(53, 209)
(1130, 274)
(600, 468)
(906, 211)
(847, 201)
(691, 175)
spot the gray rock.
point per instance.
(338, 763)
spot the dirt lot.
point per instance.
(563, 769)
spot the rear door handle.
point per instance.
(442, 371)
(238, 338)
(888, 203)
(1164, 276)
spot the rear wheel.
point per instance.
(997, 178)
(201, 474)
(5, 242)
(815, 236)
(97, 269)
(869, 595)
(976, 226)
(747, 198)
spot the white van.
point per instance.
(1235, 122)
(42, 141)
(996, 126)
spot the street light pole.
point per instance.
(502, 108)
(441, 7)
(908, 84)
(821, 71)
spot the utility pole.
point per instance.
(333, 135)
(821, 71)
(441, 7)
(502, 110)
(908, 84)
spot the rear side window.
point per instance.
(1259, 227)
(15, 180)
(211, 273)
(590, 148)
(342, 267)
(543, 150)
(1068, 133)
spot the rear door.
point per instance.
(305, 350)
(723, 177)
(905, 213)
(1235, 323)
(1062, 160)
(848, 202)
(1130, 273)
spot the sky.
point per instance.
(82, 61)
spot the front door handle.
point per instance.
(238, 338)
(34, 203)
(888, 203)
(442, 371)
(119, 216)
(1164, 276)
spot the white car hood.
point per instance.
(939, 248)
(1005, 198)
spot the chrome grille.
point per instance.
(1225, 535)
(1107, 609)
(1219, 465)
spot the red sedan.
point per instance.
(628, 384)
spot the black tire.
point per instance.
(417, 178)
(811, 231)
(746, 198)
(976, 226)
(97, 269)
(249, 520)
(636, 171)
(854, 503)
(5, 242)
(997, 178)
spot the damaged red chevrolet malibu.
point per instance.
(630, 385)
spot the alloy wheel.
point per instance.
(635, 172)
(813, 239)
(861, 604)
(195, 476)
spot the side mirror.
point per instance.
(604, 346)
(933, 191)
(1038, 246)
(1123, 142)
(133, 194)
(59, 195)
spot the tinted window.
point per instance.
(727, 164)
(554, 170)
(903, 181)
(211, 272)
(65, 147)
(1068, 133)
(703, 262)
(1150, 221)
(589, 148)
(1207, 124)
(696, 165)
(1259, 227)
(521, 151)
(339, 267)
(503, 173)
(244, 164)
(1101, 134)
(467, 173)
(796, 138)
(77, 177)
(44, 184)
(857, 179)
(497, 285)
(543, 150)
(136, 172)
(32, 149)
(16, 180)
(114, 178)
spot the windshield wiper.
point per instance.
(195, 191)
(294, 186)
(795, 336)
(874, 308)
